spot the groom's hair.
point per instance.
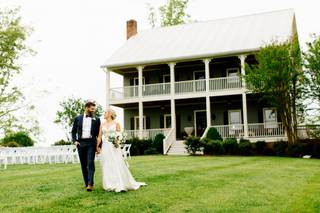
(89, 104)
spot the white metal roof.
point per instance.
(202, 39)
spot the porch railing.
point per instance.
(147, 133)
(255, 130)
(168, 141)
(156, 89)
(258, 130)
(190, 86)
(224, 83)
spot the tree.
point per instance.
(20, 138)
(279, 78)
(71, 108)
(172, 13)
(312, 65)
(13, 46)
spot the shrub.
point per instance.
(193, 144)
(230, 146)
(150, 151)
(280, 148)
(297, 150)
(139, 146)
(62, 142)
(212, 147)
(21, 138)
(158, 143)
(12, 144)
(245, 147)
(213, 134)
(260, 146)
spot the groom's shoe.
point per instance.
(89, 188)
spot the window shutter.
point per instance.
(132, 123)
(147, 122)
(225, 118)
(260, 116)
(161, 121)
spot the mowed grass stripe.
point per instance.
(176, 184)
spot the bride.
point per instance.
(115, 174)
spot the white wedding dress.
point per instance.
(116, 175)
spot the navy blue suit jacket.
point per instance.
(77, 128)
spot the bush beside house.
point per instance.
(146, 146)
(213, 144)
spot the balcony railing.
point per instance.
(156, 89)
(181, 87)
(124, 92)
(190, 86)
(224, 83)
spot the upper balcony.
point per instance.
(190, 87)
(219, 76)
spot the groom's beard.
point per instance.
(90, 114)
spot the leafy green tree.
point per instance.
(70, 108)
(279, 77)
(20, 138)
(312, 65)
(13, 46)
(172, 13)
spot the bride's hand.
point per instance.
(98, 150)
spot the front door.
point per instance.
(200, 117)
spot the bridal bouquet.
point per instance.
(117, 138)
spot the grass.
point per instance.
(175, 184)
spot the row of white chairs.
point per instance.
(41, 155)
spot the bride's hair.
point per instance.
(112, 113)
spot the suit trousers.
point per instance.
(87, 151)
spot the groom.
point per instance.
(85, 131)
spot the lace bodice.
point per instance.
(106, 131)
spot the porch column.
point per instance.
(208, 110)
(172, 100)
(207, 73)
(244, 97)
(140, 68)
(242, 62)
(107, 88)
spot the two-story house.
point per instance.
(182, 79)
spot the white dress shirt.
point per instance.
(86, 127)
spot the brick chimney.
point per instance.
(132, 28)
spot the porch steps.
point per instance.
(178, 148)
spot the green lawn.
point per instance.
(175, 184)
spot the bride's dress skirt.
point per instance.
(116, 175)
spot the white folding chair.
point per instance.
(3, 159)
(126, 151)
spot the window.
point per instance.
(235, 119)
(166, 78)
(270, 118)
(136, 122)
(233, 74)
(199, 75)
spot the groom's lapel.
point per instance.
(93, 124)
(80, 121)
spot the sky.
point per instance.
(74, 37)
